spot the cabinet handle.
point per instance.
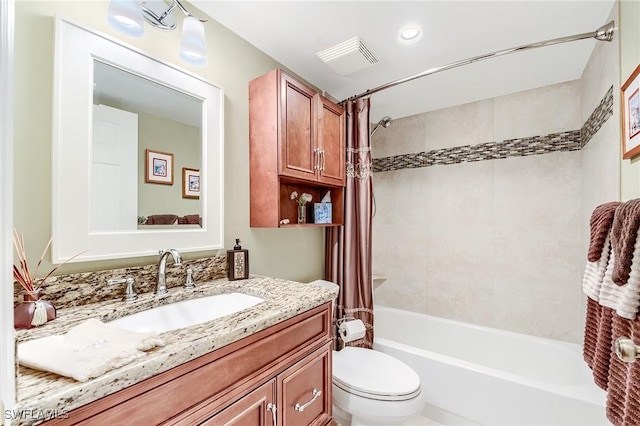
(300, 408)
(324, 160)
(316, 155)
(272, 407)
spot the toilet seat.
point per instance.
(374, 375)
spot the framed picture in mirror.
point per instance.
(159, 167)
(190, 183)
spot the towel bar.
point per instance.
(626, 350)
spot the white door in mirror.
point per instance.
(114, 170)
(186, 313)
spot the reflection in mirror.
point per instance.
(109, 179)
(131, 116)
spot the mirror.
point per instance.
(137, 152)
(131, 115)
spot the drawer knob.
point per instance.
(300, 408)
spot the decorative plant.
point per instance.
(21, 272)
(303, 199)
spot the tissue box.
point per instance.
(320, 212)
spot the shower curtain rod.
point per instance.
(604, 33)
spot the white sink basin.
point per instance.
(186, 313)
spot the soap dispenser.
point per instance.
(238, 262)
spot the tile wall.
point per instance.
(479, 209)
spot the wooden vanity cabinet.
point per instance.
(302, 392)
(297, 139)
(239, 384)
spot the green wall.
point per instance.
(629, 27)
(181, 140)
(296, 254)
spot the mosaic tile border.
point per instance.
(573, 140)
(597, 118)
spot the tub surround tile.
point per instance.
(401, 293)
(598, 117)
(404, 135)
(458, 301)
(405, 262)
(545, 110)
(466, 124)
(405, 191)
(601, 175)
(534, 145)
(570, 140)
(284, 299)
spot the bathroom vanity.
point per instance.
(267, 365)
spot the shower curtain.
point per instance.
(348, 248)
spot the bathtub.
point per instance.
(478, 375)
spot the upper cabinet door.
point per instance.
(331, 142)
(298, 157)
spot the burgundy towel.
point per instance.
(597, 341)
(162, 219)
(601, 221)
(591, 331)
(623, 393)
(624, 233)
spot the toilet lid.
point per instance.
(374, 375)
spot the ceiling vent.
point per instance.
(348, 57)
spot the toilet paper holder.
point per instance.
(343, 319)
(349, 331)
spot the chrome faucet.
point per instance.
(161, 285)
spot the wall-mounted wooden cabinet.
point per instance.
(297, 143)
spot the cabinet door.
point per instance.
(304, 390)
(254, 409)
(297, 154)
(331, 142)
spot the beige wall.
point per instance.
(293, 253)
(629, 59)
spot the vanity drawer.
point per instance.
(304, 390)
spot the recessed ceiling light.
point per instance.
(410, 34)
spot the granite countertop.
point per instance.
(48, 392)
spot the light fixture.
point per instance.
(127, 16)
(410, 34)
(192, 48)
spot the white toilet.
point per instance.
(371, 387)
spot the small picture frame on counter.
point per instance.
(238, 262)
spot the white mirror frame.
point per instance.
(7, 347)
(76, 47)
